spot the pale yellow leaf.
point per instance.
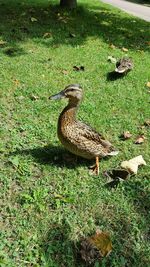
(33, 19)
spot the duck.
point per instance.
(124, 65)
(76, 136)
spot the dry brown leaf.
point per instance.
(147, 123)
(16, 82)
(142, 127)
(148, 84)
(95, 247)
(47, 35)
(101, 240)
(124, 49)
(140, 139)
(126, 135)
(112, 46)
(65, 72)
(34, 97)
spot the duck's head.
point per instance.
(73, 92)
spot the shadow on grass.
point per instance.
(58, 249)
(49, 25)
(52, 155)
(139, 192)
(112, 76)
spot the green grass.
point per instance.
(48, 204)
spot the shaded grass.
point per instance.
(48, 203)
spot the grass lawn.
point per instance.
(47, 202)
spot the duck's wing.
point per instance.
(89, 133)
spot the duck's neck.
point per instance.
(68, 115)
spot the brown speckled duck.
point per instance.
(124, 65)
(77, 137)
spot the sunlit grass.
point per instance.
(48, 203)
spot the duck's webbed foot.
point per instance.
(94, 170)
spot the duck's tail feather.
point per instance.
(113, 153)
(120, 70)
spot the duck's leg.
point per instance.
(95, 168)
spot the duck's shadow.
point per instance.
(52, 155)
(112, 76)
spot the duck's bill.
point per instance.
(57, 96)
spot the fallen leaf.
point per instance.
(147, 123)
(132, 164)
(34, 97)
(126, 135)
(124, 49)
(47, 35)
(101, 240)
(65, 72)
(3, 42)
(112, 46)
(112, 59)
(95, 247)
(72, 35)
(140, 139)
(142, 127)
(16, 82)
(148, 84)
(33, 19)
(76, 68)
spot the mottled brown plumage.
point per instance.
(76, 136)
(124, 65)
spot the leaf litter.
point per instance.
(125, 135)
(96, 247)
(140, 139)
(112, 59)
(78, 68)
(133, 164)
